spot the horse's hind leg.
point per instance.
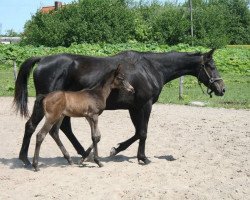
(54, 134)
(39, 139)
(66, 128)
(30, 127)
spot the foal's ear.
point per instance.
(119, 67)
(117, 71)
(209, 55)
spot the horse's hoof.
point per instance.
(25, 161)
(100, 164)
(113, 151)
(144, 161)
(28, 166)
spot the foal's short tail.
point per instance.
(21, 91)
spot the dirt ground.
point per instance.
(196, 153)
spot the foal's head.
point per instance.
(120, 81)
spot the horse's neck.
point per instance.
(174, 65)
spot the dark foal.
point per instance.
(88, 103)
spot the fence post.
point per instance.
(14, 69)
(181, 80)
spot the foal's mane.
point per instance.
(106, 77)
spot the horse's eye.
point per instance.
(210, 65)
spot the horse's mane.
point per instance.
(194, 54)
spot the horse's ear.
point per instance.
(209, 55)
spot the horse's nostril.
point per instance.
(223, 90)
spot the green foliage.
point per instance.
(233, 62)
(238, 20)
(171, 25)
(210, 26)
(216, 23)
(232, 59)
(87, 21)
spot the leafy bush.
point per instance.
(171, 26)
(216, 23)
(233, 60)
(87, 21)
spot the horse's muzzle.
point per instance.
(219, 89)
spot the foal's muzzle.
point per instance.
(129, 87)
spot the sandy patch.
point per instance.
(196, 153)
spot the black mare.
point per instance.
(147, 73)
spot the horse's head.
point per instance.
(120, 81)
(209, 75)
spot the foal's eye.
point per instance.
(120, 78)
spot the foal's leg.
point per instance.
(30, 127)
(54, 134)
(39, 139)
(96, 136)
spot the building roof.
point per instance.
(47, 9)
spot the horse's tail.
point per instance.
(21, 91)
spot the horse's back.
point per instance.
(69, 72)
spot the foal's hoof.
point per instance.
(80, 162)
(113, 151)
(70, 162)
(97, 161)
(100, 164)
(36, 168)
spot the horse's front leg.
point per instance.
(142, 130)
(140, 118)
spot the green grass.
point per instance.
(237, 92)
(6, 83)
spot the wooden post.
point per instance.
(181, 87)
(192, 42)
(14, 69)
